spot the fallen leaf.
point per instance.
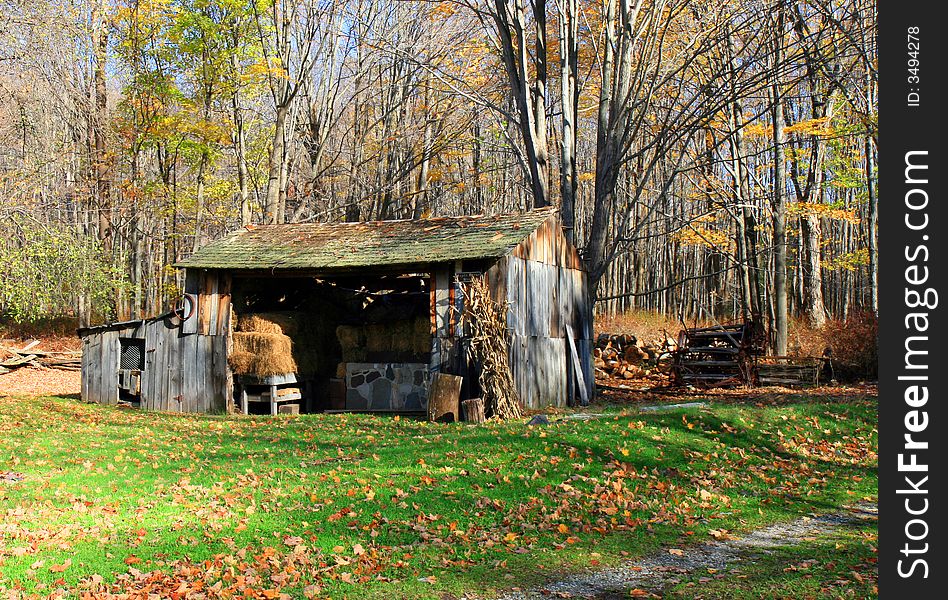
(62, 567)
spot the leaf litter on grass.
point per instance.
(326, 505)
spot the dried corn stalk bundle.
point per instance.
(489, 346)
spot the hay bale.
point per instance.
(399, 332)
(287, 323)
(421, 337)
(402, 337)
(307, 360)
(241, 362)
(349, 337)
(378, 338)
(351, 340)
(272, 352)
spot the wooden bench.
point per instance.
(274, 390)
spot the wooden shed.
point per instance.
(372, 310)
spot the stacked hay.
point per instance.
(400, 339)
(287, 323)
(262, 354)
(310, 334)
(393, 336)
(421, 336)
(352, 341)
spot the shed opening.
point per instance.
(351, 342)
(131, 365)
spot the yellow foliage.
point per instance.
(810, 127)
(443, 10)
(850, 261)
(826, 211)
(699, 233)
(757, 130)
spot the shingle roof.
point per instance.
(375, 243)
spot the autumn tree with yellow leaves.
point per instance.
(710, 158)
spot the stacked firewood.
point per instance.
(31, 356)
(628, 357)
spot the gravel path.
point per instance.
(654, 572)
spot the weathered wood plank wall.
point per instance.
(100, 364)
(545, 285)
(185, 370)
(444, 347)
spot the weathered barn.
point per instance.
(372, 309)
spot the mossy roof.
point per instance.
(373, 243)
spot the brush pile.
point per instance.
(31, 355)
(489, 347)
(626, 357)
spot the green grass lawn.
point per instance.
(361, 506)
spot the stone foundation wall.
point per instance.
(386, 386)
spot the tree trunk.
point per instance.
(530, 100)
(873, 227)
(276, 167)
(814, 308)
(100, 122)
(779, 199)
(569, 94)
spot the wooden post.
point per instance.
(443, 398)
(474, 410)
(577, 367)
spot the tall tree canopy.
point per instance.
(710, 158)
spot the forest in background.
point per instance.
(712, 159)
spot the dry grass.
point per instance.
(47, 328)
(855, 346)
(644, 325)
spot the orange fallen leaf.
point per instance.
(62, 567)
